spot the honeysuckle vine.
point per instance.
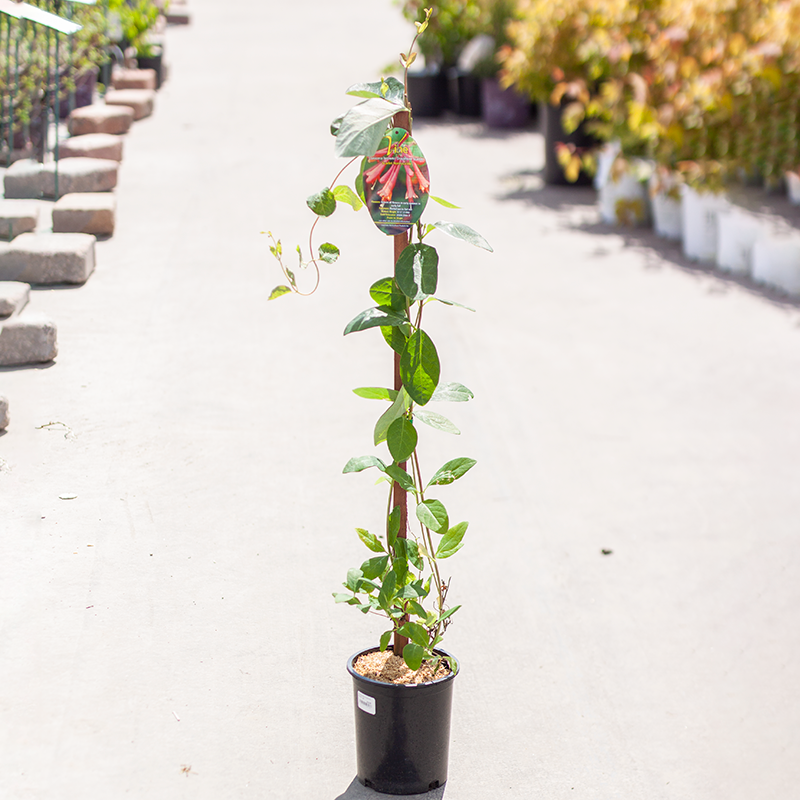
(402, 579)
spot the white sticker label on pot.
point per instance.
(366, 703)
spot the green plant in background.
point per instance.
(137, 19)
(402, 579)
(28, 64)
(450, 26)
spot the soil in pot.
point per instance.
(388, 668)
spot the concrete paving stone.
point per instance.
(47, 258)
(17, 216)
(80, 175)
(31, 338)
(85, 212)
(4, 418)
(14, 296)
(23, 180)
(140, 100)
(134, 79)
(99, 118)
(92, 145)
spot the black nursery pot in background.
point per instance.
(464, 91)
(402, 732)
(156, 62)
(427, 93)
(553, 130)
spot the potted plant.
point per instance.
(402, 683)
(138, 20)
(451, 25)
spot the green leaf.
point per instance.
(279, 291)
(374, 567)
(370, 540)
(374, 318)
(344, 194)
(416, 608)
(413, 655)
(376, 393)
(353, 577)
(400, 476)
(417, 271)
(391, 89)
(415, 632)
(396, 410)
(448, 613)
(452, 541)
(393, 526)
(385, 638)
(387, 592)
(460, 231)
(452, 392)
(451, 471)
(385, 293)
(412, 553)
(335, 125)
(395, 338)
(341, 597)
(419, 367)
(360, 463)
(323, 203)
(329, 253)
(441, 202)
(363, 127)
(432, 514)
(435, 421)
(401, 437)
(453, 303)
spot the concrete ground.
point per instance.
(173, 516)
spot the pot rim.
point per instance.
(438, 682)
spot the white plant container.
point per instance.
(737, 232)
(776, 262)
(699, 219)
(666, 208)
(793, 187)
(622, 189)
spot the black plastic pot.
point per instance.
(156, 62)
(464, 92)
(85, 84)
(554, 132)
(402, 732)
(427, 93)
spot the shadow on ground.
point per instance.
(355, 791)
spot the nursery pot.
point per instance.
(427, 93)
(402, 732)
(154, 62)
(503, 108)
(85, 84)
(464, 92)
(554, 132)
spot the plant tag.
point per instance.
(396, 183)
(366, 703)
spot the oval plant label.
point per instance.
(396, 182)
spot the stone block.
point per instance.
(47, 258)
(4, 419)
(85, 212)
(134, 79)
(140, 100)
(80, 175)
(17, 216)
(99, 118)
(14, 296)
(27, 339)
(92, 145)
(23, 179)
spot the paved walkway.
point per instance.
(169, 631)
